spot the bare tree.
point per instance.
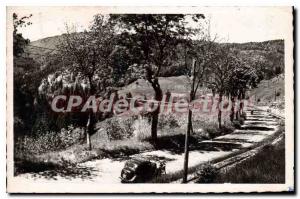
(201, 53)
(88, 55)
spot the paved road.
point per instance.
(256, 128)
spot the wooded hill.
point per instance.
(267, 56)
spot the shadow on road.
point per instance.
(53, 171)
(256, 128)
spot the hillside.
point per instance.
(269, 91)
(41, 48)
(48, 42)
(176, 84)
(268, 56)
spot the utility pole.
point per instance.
(189, 127)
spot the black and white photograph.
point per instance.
(149, 99)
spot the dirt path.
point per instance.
(258, 126)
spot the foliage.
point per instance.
(258, 169)
(88, 54)
(19, 42)
(266, 57)
(207, 173)
(119, 129)
(26, 69)
(167, 121)
(48, 141)
(151, 40)
(142, 128)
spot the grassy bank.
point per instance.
(268, 166)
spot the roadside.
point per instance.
(108, 170)
(267, 166)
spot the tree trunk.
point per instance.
(158, 97)
(237, 115)
(89, 128)
(220, 111)
(154, 124)
(232, 109)
(186, 147)
(242, 102)
(189, 128)
(91, 121)
(88, 141)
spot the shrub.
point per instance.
(142, 128)
(41, 125)
(68, 137)
(119, 128)
(113, 130)
(167, 121)
(121, 148)
(212, 129)
(49, 141)
(207, 173)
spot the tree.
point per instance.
(242, 78)
(152, 40)
(19, 42)
(88, 55)
(23, 68)
(201, 53)
(27, 104)
(222, 67)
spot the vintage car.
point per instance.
(138, 170)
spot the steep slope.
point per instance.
(270, 92)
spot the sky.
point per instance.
(230, 24)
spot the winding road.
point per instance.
(259, 126)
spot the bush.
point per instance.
(49, 141)
(41, 125)
(127, 126)
(142, 128)
(167, 121)
(207, 174)
(119, 128)
(212, 130)
(113, 130)
(121, 148)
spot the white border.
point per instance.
(167, 188)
